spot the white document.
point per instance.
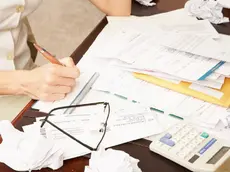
(213, 81)
(213, 76)
(224, 70)
(149, 24)
(81, 83)
(208, 91)
(200, 45)
(130, 119)
(200, 27)
(124, 84)
(142, 52)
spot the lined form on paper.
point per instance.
(201, 45)
(142, 52)
(124, 84)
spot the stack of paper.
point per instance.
(185, 61)
(153, 54)
(123, 84)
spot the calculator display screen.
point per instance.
(218, 155)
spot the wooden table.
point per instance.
(149, 161)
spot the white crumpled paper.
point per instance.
(112, 161)
(146, 2)
(208, 9)
(27, 152)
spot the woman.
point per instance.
(18, 75)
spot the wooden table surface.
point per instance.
(78, 164)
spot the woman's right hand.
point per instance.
(51, 82)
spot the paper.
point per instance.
(124, 84)
(224, 70)
(226, 121)
(146, 2)
(213, 81)
(112, 161)
(159, 23)
(142, 52)
(132, 120)
(210, 9)
(196, 44)
(209, 91)
(200, 27)
(27, 152)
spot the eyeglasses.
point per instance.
(106, 108)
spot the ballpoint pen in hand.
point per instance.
(47, 55)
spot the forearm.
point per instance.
(11, 81)
(114, 7)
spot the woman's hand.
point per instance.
(51, 82)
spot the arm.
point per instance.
(9, 83)
(114, 7)
(48, 83)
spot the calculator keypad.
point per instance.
(182, 140)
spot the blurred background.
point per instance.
(63, 28)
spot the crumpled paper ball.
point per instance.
(146, 2)
(208, 9)
(23, 152)
(112, 161)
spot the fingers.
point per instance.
(56, 80)
(68, 72)
(56, 89)
(53, 82)
(68, 62)
(51, 97)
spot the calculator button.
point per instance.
(205, 135)
(168, 136)
(207, 146)
(157, 143)
(178, 147)
(167, 141)
(186, 151)
(176, 129)
(187, 129)
(182, 154)
(190, 137)
(177, 139)
(200, 139)
(191, 146)
(179, 136)
(194, 133)
(166, 147)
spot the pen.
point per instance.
(47, 55)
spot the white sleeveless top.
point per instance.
(14, 51)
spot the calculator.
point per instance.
(193, 149)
